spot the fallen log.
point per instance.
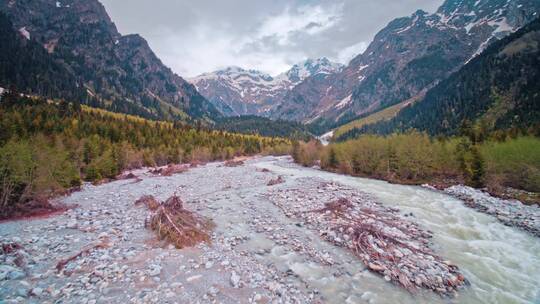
(86, 250)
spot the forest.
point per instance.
(48, 147)
(264, 127)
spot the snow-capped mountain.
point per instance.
(236, 91)
(310, 67)
(406, 58)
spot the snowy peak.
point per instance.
(238, 91)
(311, 67)
(405, 58)
(505, 15)
(234, 73)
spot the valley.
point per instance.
(259, 252)
(270, 152)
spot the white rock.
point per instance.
(235, 280)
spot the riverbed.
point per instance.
(257, 253)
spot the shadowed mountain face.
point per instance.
(411, 54)
(111, 67)
(235, 91)
(498, 89)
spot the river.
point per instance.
(257, 253)
(502, 263)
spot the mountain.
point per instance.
(497, 90)
(235, 91)
(407, 57)
(115, 69)
(26, 64)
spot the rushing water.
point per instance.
(502, 263)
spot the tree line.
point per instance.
(495, 163)
(48, 146)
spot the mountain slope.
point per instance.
(235, 91)
(110, 66)
(264, 127)
(499, 89)
(26, 64)
(411, 54)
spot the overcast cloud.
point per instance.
(196, 36)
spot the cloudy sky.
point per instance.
(196, 36)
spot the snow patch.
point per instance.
(408, 27)
(362, 67)
(345, 101)
(24, 32)
(326, 137)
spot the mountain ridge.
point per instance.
(112, 67)
(405, 58)
(496, 90)
(237, 91)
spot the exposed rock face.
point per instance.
(235, 91)
(409, 55)
(111, 66)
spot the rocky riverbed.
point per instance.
(261, 249)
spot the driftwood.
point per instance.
(276, 181)
(8, 248)
(125, 175)
(387, 243)
(233, 163)
(149, 201)
(86, 250)
(392, 247)
(13, 250)
(179, 226)
(339, 206)
(170, 170)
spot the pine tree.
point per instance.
(333, 161)
(476, 168)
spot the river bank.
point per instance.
(257, 253)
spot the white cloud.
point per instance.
(308, 19)
(205, 48)
(348, 53)
(208, 51)
(193, 37)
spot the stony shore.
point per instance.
(277, 239)
(512, 213)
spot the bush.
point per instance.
(33, 170)
(514, 163)
(414, 157)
